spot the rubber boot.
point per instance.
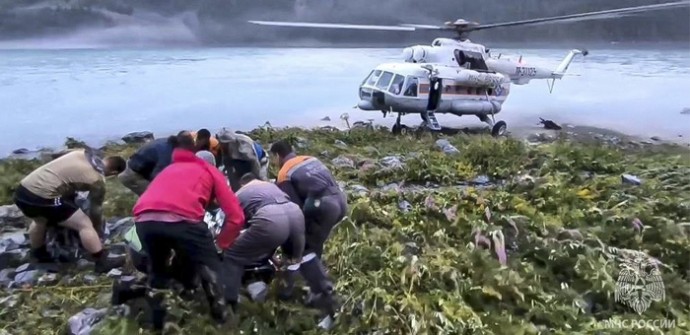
(41, 255)
(214, 293)
(155, 299)
(286, 287)
(126, 291)
(320, 286)
(105, 263)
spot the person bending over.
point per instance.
(147, 162)
(272, 221)
(204, 141)
(311, 185)
(47, 196)
(242, 155)
(169, 217)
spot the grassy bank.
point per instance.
(408, 259)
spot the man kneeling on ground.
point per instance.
(272, 221)
(169, 217)
(47, 196)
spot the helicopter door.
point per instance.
(434, 94)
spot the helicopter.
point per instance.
(455, 75)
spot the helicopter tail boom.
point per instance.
(563, 67)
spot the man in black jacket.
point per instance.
(147, 163)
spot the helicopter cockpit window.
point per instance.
(373, 77)
(384, 81)
(397, 85)
(411, 88)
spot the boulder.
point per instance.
(11, 216)
(447, 147)
(138, 137)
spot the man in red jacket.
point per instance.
(169, 216)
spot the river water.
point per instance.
(99, 94)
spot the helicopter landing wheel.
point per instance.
(499, 129)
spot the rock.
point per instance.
(411, 249)
(541, 138)
(258, 291)
(13, 258)
(451, 213)
(447, 147)
(343, 162)
(359, 190)
(90, 279)
(6, 276)
(47, 279)
(405, 206)
(10, 215)
(481, 180)
(327, 118)
(685, 111)
(26, 267)
(12, 241)
(630, 179)
(391, 187)
(655, 138)
(138, 137)
(84, 322)
(391, 163)
(340, 144)
(550, 125)
(26, 278)
(114, 273)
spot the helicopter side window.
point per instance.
(373, 77)
(397, 85)
(384, 81)
(411, 88)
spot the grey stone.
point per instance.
(138, 137)
(481, 180)
(359, 190)
(12, 241)
(84, 322)
(6, 276)
(391, 162)
(47, 279)
(391, 187)
(114, 273)
(405, 206)
(446, 147)
(13, 258)
(340, 144)
(26, 277)
(90, 279)
(301, 143)
(630, 179)
(10, 215)
(343, 162)
(25, 267)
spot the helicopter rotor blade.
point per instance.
(611, 13)
(334, 25)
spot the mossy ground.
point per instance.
(555, 281)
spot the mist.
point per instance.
(156, 23)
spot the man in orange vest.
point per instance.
(204, 141)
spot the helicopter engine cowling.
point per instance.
(417, 54)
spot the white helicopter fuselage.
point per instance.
(473, 82)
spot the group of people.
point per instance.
(177, 180)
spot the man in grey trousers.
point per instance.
(272, 221)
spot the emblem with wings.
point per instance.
(639, 283)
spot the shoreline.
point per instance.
(532, 134)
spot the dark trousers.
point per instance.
(195, 254)
(318, 225)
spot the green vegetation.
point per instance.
(562, 209)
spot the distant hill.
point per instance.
(224, 21)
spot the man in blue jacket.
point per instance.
(147, 163)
